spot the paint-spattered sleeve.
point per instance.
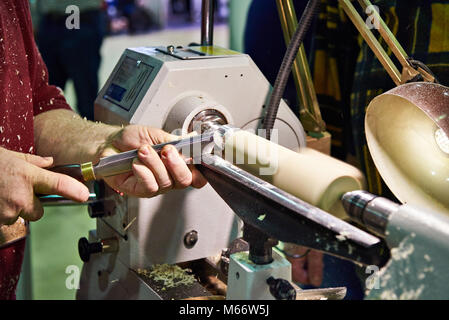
(45, 97)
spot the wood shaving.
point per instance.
(171, 275)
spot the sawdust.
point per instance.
(405, 295)
(171, 276)
(403, 251)
(16, 231)
(342, 236)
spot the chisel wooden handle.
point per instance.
(73, 170)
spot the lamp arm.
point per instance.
(409, 71)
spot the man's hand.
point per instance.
(308, 269)
(151, 174)
(23, 176)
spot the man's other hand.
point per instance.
(24, 176)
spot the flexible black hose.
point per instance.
(286, 66)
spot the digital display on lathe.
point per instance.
(115, 92)
(128, 82)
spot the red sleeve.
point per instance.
(45, 97)
(11, 258)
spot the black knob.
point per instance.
(281, 289)
(85, 249)
(96, 209)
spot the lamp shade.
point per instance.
(407, 131)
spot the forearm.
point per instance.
(68, 138)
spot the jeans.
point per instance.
(74, 54)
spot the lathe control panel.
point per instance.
(128, 82)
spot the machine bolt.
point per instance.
(191, 238)
(96, 209)
(170, 49)
(281, 289)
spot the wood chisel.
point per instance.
(122, 162)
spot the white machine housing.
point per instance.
(154, 87)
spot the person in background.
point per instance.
(137, 16)
(265, 44)
(38, 130)
(72, 54)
